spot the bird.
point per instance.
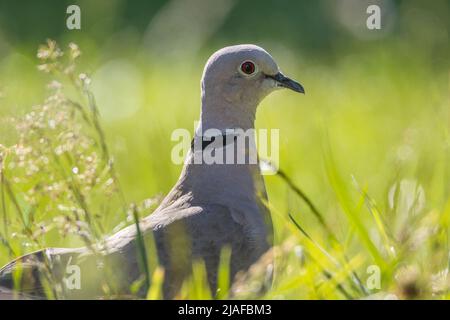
(213, 205)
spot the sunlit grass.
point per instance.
(365, 171)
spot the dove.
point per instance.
(213, 205)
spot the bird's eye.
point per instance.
(248, 67)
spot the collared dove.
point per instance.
(211, 206)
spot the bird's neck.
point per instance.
(221, 114)
(225, 183)
(222, 183)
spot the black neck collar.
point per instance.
(206, 141)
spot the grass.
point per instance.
(363, 184)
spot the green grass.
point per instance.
(364, 158)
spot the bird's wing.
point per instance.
(157, 220)
(185, 234)
(209, 232)
(117, 250)
(208, 228)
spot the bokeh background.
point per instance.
(378, 98)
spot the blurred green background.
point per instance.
(380, 98)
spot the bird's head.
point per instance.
(243, 75)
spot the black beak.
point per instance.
(285, 82)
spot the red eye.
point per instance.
(248, 67)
